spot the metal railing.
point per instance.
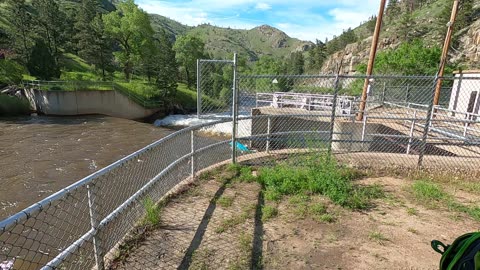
(83, 225)
(315, 102)
(143, 100)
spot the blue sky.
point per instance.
(303, 19)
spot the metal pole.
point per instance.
(457, 93)
(446, 46)
(332, 117)
(412, 129)
(269, 127)
(199, 88)
(97, 246)
(234, 110)
(383, 92)
(426, 127)
(192, 159)
(407, 95)
(371, 59)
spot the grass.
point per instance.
(432, 195)
(236, 220)
(225, 201)
(10, 106)
(428, 193)
(412, 211)
(152, 216)
(269, 212)
(377, 237)
(317, 174)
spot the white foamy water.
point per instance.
(244, 126)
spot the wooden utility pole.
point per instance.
(371, 59)
(446, 46)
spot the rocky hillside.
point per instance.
(262, 40)
(424, 23)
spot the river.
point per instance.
(40, 155)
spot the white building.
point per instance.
(464, 99)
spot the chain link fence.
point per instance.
(92, 223)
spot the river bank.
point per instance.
(39, 155)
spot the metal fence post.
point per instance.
(412, 129)
(383, 92)
(426, 128)
(234, 110)
(199, 94)
(192, 160)
(269, 128)
(407, 96)
(332, 116)
(94, 222)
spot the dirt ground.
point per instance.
(218, 223)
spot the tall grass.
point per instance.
(317, 174)
(10, 106)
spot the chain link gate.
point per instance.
(215, 84)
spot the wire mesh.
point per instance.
(99, 221)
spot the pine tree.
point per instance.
(42, 63)
(393, 9)
(20, 19)
(101, 54)
(84, 29)
(49, 21)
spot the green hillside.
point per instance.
(256, 42)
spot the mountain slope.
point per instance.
(424, 24)
(254, 43)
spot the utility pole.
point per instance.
(371, 59)
(446, 46)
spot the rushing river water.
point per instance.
(40, 155)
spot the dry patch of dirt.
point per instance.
(218, 224)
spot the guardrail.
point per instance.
(310, 102)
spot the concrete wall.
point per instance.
(110, 103)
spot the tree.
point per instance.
(84, 29)
(49, 21)
(189, 48)
(130, 27)
(167, 71)
(101, 54)
(393, 9)
(405, 29)
(410, 58)
(20, 19)
(316, 56)
(10, 72)
(296, 64)
(42, 63)
(371, 23)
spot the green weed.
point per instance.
(428, 193)
(412, 211)
(377, 237)
(269, 212)
(225, 201)
(152, 216)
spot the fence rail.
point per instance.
(95, 85)
(80, 226)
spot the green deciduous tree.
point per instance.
(10, 72)
(167, 69)
(410, 58)
(130, 27)
(189, 48)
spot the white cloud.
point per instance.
(303, 19)
(263, 6)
